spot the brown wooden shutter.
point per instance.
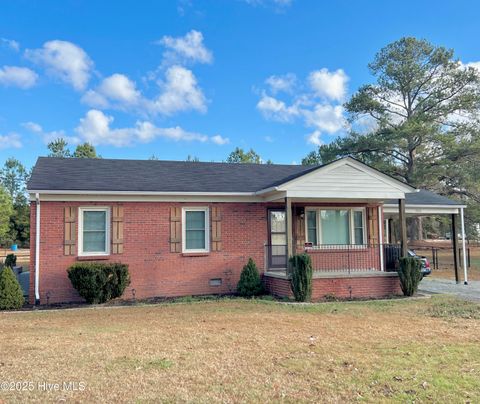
(69, 225)
(175, 229)
(299, 226)
(216, 228)
(372, 217)
(117, 230)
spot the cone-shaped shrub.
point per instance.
(410, 275)
(301, 277)
(250, 283)
(11, 294)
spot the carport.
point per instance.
(426, 203)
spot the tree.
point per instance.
(59, 148)
(239, 156)
(6, 210)
(85, 150)
(422, 115)
(13, 178)
(192, 159)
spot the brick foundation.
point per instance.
(340, 286)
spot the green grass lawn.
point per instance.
(234, 350)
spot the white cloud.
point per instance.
(325, 117)
(180, 92)
(318, 106)
(12, 140)
(33, 127)
(314, 138)
(116, 88)
(220, 140)
(63, 60)
(283, 83)
(10, 43)
(329, 85)
(48, 137)
(277, 110)
(15, 76)
(95, 128)
(188, 48)
(475, 65)
(269, 139)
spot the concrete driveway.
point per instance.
(466, 292)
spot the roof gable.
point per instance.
(345, 178)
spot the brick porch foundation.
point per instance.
(339, 285)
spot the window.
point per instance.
(358, 227)
(94, 231)
(335, 226)
(195, 225)
(312, 226)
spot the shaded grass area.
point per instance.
(233, 350)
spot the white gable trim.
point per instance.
(387, 180)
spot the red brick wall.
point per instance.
(345, 287)
(155, 271)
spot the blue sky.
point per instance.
(189, 77)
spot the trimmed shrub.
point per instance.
(11, 294)
(301, 277)
(250, 283)
(99, 282)
(11, 260)
(410, 275)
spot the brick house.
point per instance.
(188, 228)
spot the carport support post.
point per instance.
(403, 227)
(455, 246)
(464, 248)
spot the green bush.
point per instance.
(99, 282)
(410, 275)
(11, 294)
(250, 283)
(301, 277)
(11, 260)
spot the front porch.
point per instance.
(338, 285)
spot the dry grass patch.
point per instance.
(246, 351)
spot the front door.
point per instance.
(277, 233)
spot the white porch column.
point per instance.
(464, 248)
(288, 214)
(380, 236)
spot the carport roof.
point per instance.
(427, 198)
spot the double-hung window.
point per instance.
(335, 226)
(195, 225)
(94, 231)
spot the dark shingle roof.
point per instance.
(424, 197)
(57, 174)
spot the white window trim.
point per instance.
(207, 229)
(317, 209)
(83, 209)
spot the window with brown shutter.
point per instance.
(216, 228)
(117, 230)
(175, 229)
(69, 225)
